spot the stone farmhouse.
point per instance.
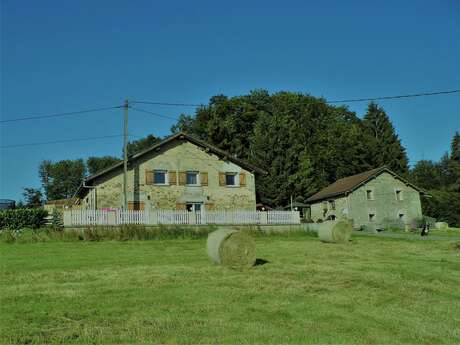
(376, 197)
(179, 173)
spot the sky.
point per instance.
(62, 56)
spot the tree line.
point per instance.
(303, 143)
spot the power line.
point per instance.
(155, 114)
(202, 105)
(333, 101)
(59, 114)
(64, 141)
(169, 104)
(395, 97)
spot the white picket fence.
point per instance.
(179, 217)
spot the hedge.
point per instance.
(22, 218)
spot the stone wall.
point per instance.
(175, 157)
(322, 210)
(384, 205)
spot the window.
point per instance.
(369, 194)
(399, 195)
(159, 177)
(332, 204)
(230, 179)
(192, 178)
(193, 207)
(371, 217)
(401, 216)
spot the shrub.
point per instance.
(21, 218)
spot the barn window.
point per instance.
(332, 204)
(399, 195)
(230, 179)
(371, 217)
(370, 194)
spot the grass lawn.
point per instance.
(372, 291)
(450, 232)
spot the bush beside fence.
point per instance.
(22, 218)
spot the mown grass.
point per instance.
(371, 291)
(449, 232)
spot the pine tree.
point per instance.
(455, 148)
(384, 145)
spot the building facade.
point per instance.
(377, 197)
(180, 173)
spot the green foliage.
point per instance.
(385, 146)
(303, 143)
(455, 147)
(442, 181)
(427, 175)
(96, 164)
(33, 197)
(21, 218)
(60, 180)
(136, 146)
(132, 232)
(105, 233)
(444, 205)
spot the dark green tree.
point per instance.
(96, 164)
(442, 180)
(443, 205)
(426, 174)
(60, 180)
(33, 197)
(384, 145)
(185, 124)
(455, 147)
(300, 140)
(136, 146)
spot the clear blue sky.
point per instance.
(59, 56)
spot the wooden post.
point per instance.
(125, 155)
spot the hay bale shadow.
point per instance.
(260, 262)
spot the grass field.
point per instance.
(371, 291)
(450, 232)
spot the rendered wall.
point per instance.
(175, 156)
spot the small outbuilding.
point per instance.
(377, 197)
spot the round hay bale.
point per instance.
(441, 225)
(335, 232)
(231, 248)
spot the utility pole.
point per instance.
(125, 155)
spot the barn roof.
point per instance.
(349, 184)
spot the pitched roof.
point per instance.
(348, 184)
(179, 136)
(68, 201)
